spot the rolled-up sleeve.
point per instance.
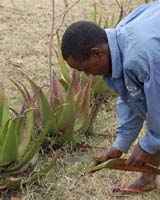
(130, 125)
(151, 141)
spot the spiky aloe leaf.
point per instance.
(68, 114)
(83, 120)
(27, 134)
(76, 83)
(86, 100)
(67, 136)
(64, 82)
(77, 102)
(53, 129)
(10, 145)
(24, 92)
(57, 91)
(63, 66)
(4, 109)
(98, 85)
(19, 127)
(15, 182)
(44, 106)
(66, 117)
(28, 156)
(6, 113)
(3, 132)
(1, 102)
(32, 148)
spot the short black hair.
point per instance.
(80, 37)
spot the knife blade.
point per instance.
(119, 164)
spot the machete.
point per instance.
(119, 164)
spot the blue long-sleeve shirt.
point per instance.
(135, 53)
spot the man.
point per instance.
(128, 58)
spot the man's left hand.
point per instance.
(139, 157)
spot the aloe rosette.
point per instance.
(18, 144)
(69, 106)
(75, 116)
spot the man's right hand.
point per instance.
(107, 154)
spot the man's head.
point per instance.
(85, 48)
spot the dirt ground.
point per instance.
(25, 34)
(24, 45)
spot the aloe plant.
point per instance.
(18, 143)
(69, 106)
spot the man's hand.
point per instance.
(139, 157)
(107, 154)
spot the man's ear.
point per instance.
(96, 52)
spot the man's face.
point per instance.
(97, 64)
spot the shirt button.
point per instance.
(128, 100)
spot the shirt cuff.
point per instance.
(150, 143)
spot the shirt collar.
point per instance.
(115, 53)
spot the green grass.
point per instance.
(70, 181)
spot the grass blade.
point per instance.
(39, 174)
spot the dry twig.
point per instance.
(63, 18)
(50, 50)
(69, 8)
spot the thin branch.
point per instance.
(119, 4)
(63, 18)
(50, 49)
(69, 8)
(129, 3)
